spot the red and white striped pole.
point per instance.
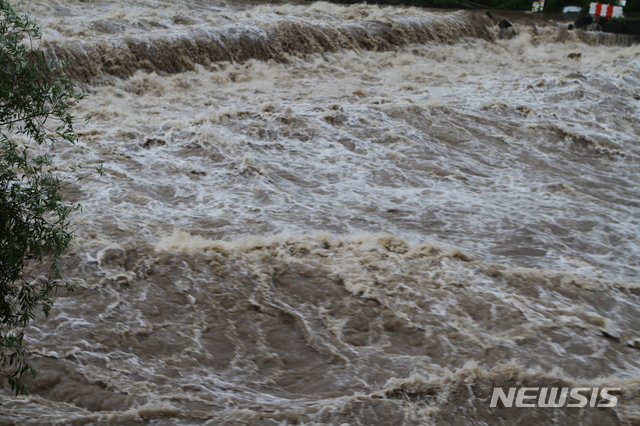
(606, 10)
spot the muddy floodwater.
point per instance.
(322, 214)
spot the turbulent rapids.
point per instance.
(322, 214)
(186, 45)
(120, 47)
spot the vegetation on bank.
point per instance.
(35, 96)
(551, 6)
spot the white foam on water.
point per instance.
(340, 232)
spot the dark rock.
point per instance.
(506, 28)
(583, 22)
(504, 24)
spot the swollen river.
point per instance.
(317, 214)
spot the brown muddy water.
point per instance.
(317, 214)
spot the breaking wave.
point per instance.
(179, 51)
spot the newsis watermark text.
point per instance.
(554, 397)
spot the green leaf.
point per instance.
(35, 96)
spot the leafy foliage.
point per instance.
(554, 6)
(34, 96)
(512, 4)
(445, 3)
(632, 6)
(551, 6)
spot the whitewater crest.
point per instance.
(122, 55)
(114, 45)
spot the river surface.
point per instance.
(319, 214)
